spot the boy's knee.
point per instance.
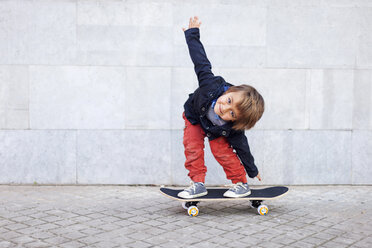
(219, 144)
(193, 147)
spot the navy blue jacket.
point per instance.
(210, 88)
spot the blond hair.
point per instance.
(250, 108)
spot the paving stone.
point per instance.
(301, 244)
(9, 235)
(4, 223)
(42, 235)
(362, 244)
(172, 244)
(90, 240)
(15, 226)
(269, 244)
(72, 244)
(22, 219)
(313, 240)
(6, 244)
(22, 240)
(36, 244)
(28, 230)
(91, 231)
(34, 222)
(109, 227)
(125, 239)
(283, 240)
(208, 244)
(154, 231)
(56, 240)
(332, 244)
(219, 240)
(139, 244)
(48, 226)
(342, 240)
(74, 235)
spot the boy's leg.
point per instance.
(193, 141)
(230, 162)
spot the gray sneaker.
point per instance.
(195, 190)
(238, 190)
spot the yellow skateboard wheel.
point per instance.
(193, 211)
(263, 210)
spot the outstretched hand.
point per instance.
(259, 177)
(193, 23)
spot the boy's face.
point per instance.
(226, 106)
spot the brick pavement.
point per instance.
(138, 216)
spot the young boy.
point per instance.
(221, 112)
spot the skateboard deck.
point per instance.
(216, 194)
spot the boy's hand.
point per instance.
(193, 23)
(259, 176)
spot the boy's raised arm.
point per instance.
(202, 66)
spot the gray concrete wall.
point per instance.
(91, 92)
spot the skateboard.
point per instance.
(256, 198)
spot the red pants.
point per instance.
(193, 141)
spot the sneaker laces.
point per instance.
(191, 187)
(237, 185)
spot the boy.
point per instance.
(221, 112)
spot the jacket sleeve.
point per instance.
(239, 142)
(202, 66)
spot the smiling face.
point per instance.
(226, 106)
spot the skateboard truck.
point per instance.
(189, 204)
(255, 203)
